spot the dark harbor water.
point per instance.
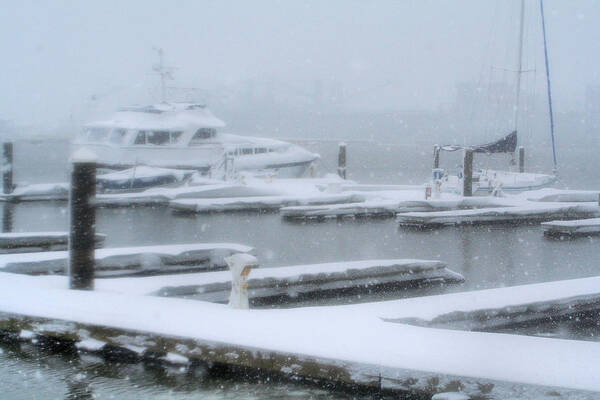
(488, 257)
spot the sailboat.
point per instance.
(486, 181)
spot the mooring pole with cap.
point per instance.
(83, 221)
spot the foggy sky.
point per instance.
(60, 58)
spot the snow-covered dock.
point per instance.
(529, 212)
(388, 204)
(125, 261)
(370, 344)
(361, 209)
(38, 192)
(25, 242)
(561, 195)
(257, 203)
(296, 283)
(580, 227)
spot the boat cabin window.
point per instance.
(140, 138)
(245, 151)
(158, 138)
(203, 133)
(97, 134)
(175, 136)
(117, 136)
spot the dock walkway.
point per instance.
(360, 344)
(22, 242)
(579, 227)
(139, 260)
(291, 284)
(513, 214)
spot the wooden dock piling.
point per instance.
(7, 217)
(82, 230)
(7, 168)
(521, 159)
(342, 160)
(436, 156)
(468, 173)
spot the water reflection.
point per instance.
(8, 210)
(31, 372)
(488, 256)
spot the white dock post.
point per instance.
(240, 265)
(342, 160)
(83, 221)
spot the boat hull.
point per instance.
(510, 182)
(292, 163)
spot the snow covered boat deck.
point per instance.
(374, 345)
(530, 212)
(126, 261)
(580, 227)
(25, 242)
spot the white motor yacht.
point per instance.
(187, 135)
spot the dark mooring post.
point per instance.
(7, 217)
(83, 220)
(521, 159)
(468, 173)
(436, 156)
(7, 168)
(342, 160)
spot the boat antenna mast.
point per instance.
(555, 169)
(164, 73)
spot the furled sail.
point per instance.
(508, 144)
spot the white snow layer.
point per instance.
(353, 333)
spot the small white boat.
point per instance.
(485, 181)
(186, 135)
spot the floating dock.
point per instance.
(390, 207)
(580, 227)
(127, 261)
(560, 195)
(257, 203)
(28, 242)
(294, 284)
(513, 214)
(372, 345)
(38, 192)
(362, 209)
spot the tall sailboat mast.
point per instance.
(548, 85)
(519, 66)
